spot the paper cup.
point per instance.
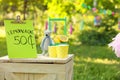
(52, 51)
(62, 51)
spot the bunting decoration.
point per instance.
(94, 9)
(71, 29)
(104, 11)
(81, 25)
(95, 3)
(46, 25)
(109, 12)
(84, 5)
(55, 28)
(97, 21)
(113, 13)
(118, 23)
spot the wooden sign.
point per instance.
(20, 39)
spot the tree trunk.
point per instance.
(25, 8)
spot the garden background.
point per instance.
(93, 59)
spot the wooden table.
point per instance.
(41, 68)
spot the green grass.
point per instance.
(90, 62)
(3, 49)
(95, 63)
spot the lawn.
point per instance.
(90, 62)
(95, 63)
(3, 49)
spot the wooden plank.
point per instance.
(26, 77)
(48, 77)
(1, 75)
(42, 59)
(38, 76)
(68, 75)
(20, 75)
(3, 69)
(10, 76)
(33, 68)
(51, 77)
(30, 76)
(61, 76)
(69, 70)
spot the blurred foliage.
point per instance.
(93, 37)
(40, 10)
(99, 35)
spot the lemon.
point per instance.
(63, 38)
(60, 38)
(56, 39)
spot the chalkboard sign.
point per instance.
(20, 39)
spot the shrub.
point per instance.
(93, 37)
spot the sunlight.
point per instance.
(111, 1)
(105, 61)
(2, 32)
(98, 60)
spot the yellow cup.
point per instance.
(52, 51)
(62, 51)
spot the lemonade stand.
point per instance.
(58, 66)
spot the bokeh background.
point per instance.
(93, 59)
